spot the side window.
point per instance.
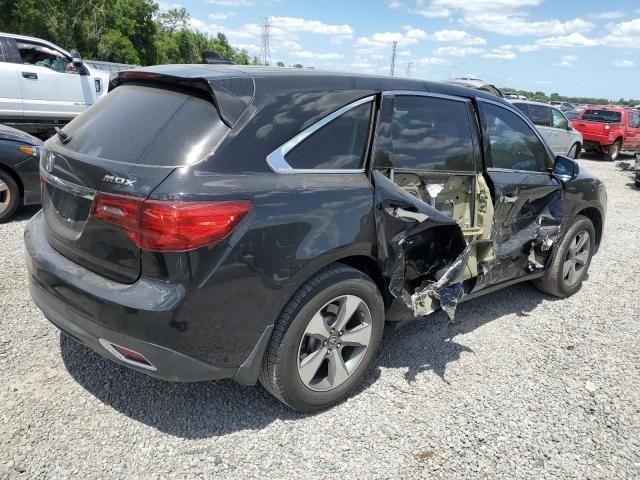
(513, 144)
(559, 120)
(540, 115)
(38, 55)
(341, 144)
(523, 107)
(428, 133)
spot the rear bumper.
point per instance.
(139, 316)
(169, 364)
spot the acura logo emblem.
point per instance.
(48, 162)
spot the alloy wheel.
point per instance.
(615, 150)
(334, 343)
(5, 196)
(577, 257)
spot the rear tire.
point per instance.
(9, 196)
(571, 260)
(613, 152)
(309, 365)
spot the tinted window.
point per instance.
(523, 107)
(341, 144)
(512, 143)
(605, 116)
(559, 120)
(430, 134)
(148, 126)
(540, 115)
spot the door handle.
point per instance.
(30, 75)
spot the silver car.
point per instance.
(554, 127)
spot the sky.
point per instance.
(571, 47)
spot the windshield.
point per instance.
(604, 116)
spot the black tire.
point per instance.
(9, 198)
(280, 372)
(613, 152)
(553, 281)
(574, 151)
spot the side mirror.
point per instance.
(565, 168)
(76, 59)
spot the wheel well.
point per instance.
(370, 267)
(596, 218)
(15, 176)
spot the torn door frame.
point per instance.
(459, 268)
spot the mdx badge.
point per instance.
(127, 182)
(48, 162)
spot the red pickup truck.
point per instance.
(609, 130)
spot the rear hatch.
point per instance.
(597, 122)
(111, 157)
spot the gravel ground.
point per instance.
(523, 386)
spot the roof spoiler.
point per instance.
(230, 94)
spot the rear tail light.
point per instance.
(127, 355)
(161, 226)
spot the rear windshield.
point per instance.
(147, 126)
(604, 116)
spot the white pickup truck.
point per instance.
(43, 85)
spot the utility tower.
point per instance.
(393, 58)
(265, 51)
(409, 65)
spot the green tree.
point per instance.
(280, 64)
(115, 47)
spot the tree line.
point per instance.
(543, 97)
(124, 31)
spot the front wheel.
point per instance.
(9, 196)
(571, 260)
(574, 151)
(324, 340)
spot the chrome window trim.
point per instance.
(276, 159)
(79, 190)
(419, 93)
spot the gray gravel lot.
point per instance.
(524, 386)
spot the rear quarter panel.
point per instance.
(299, 223)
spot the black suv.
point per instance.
(208, 222)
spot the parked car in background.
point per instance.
(554, 127)
(476, 84)
(43, 86)
(19, 171)
(216, 221)
(571, 114)
(562, 105)
(609, 130)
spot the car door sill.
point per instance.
(502, 285)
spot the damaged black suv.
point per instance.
(209, 222)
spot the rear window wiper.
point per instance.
(64, 138)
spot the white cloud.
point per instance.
(317, 56)
(519, 25)
(623, 63)
(232, 3)
(500, 53)
(567, 61)
(405, 53)
(573, 40)
(484, 5)
(218, 16)
(295, 24)
(393, 4)
(613, 15)
(457, 36)
(524, 48)
(383, 40)
(164, 6)
(458, 51)
(543, 82)
(431, 61)
(432, 12)
(623, 35)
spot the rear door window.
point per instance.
(429, 133)
(339, 145)
(146, 125)
(540, 115)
